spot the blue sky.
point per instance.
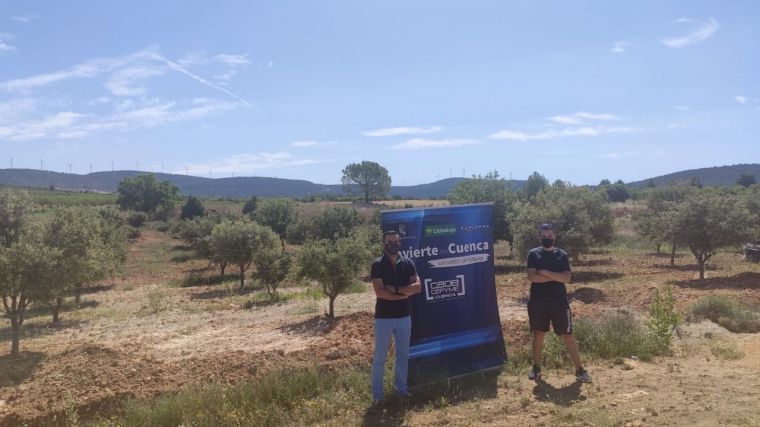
(577, 90)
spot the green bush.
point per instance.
(663, 318)
(137, 219)
(730, 313)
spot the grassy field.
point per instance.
(169, 342)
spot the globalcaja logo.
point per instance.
(439, 290)
(437, 230)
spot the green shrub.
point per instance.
(730, 313)
(137, 219)
(663, 318)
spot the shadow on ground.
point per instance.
(33, 330)
(481, 385)
(15, 369)
(563, 396)
(746, 280)
(594, 276)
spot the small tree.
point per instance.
(617, 192)
(334, 265)
(488, 188)
(26, 267)
(535, 183)
(581, 218)
(250, 205)
(193, 208)
(706, 222)
(656, 221)
(368, 179)
(237, 243)
(276, 214)
(144, 193)
(272, 267)
(663, 317)
(746, 179)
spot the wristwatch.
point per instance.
(395, 288)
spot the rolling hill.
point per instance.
(241, 187)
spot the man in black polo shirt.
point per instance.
(548, 271)
(395, 281)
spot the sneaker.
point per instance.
(582, 376)
(535, 373)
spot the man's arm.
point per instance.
(382, 292)
(563, 277)
(413, 289)
(535, 277)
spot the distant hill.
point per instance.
(242, 187)
(717, 176)
(239, 187)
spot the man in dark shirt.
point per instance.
(548, 271)
(395, 281)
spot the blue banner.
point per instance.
(455, 319)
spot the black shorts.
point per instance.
(541, 313)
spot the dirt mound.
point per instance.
(97, 378)
(587, 295)
(349, 337)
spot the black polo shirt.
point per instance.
(556, 261)
(397, 274)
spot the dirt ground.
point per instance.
(144, 335)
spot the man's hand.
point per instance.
(535, 277)
(413, 288)
(382, 291)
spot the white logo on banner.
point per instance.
(458, 261)
(444, 289)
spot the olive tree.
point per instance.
(192, 208)
(335, 265)
(706, 222)
(144, 193)
(581, 218)
(239, 242)
(272, 267)
(488, 188)
(655, 221)
(26, 268)
(277, 214)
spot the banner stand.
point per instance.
(456, 328)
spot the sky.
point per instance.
(576, 90)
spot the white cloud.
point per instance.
(681, 107)
(127, 81)
(128, 115)
(512, 135)
(248, 163)
(99, 100)
(4, 46)
(233, 60)
(310, 143)
(22, 19)
(616, 156)
(676, 125)
(579, 117)
(123, 71)
(270, 64)
(620, 46)
(421, 143)
(39, 128)
(703, 31)
(402, 131)
(740, 99)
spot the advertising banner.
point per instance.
(455, 319)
